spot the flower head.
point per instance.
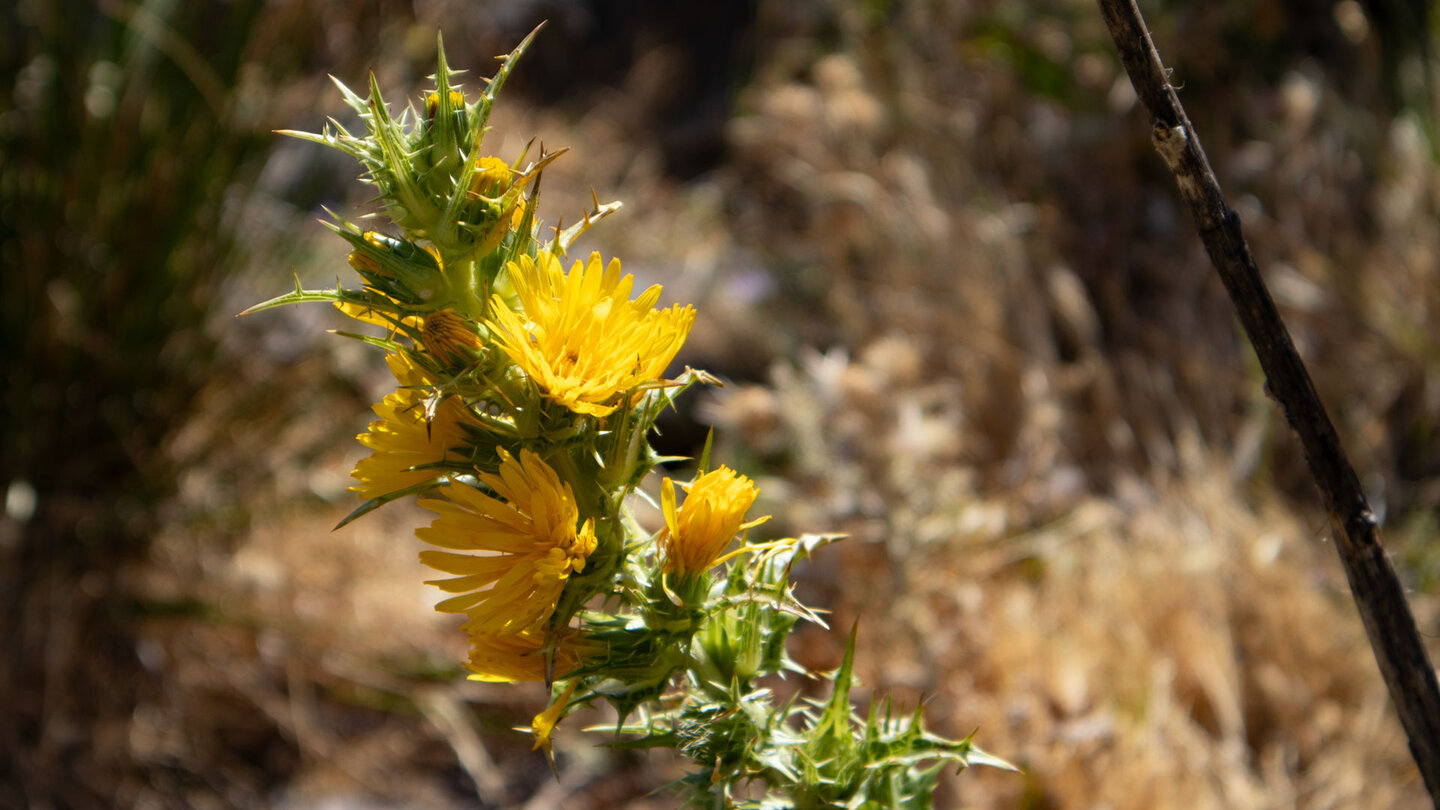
(408, 434)
(697, 533)
(582, 340)
(511, 554)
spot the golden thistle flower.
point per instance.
(512, 657)
(527, 541)
(447, 336)
(402, 438)
(714, 512)
(586, 342)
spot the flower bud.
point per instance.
(363, 263)
(698, 532)
(432, 103)
(448, 336)
(492, 177)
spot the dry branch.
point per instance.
(1391, 627)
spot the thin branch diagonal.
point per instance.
(1390, 625)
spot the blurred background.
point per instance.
(960, 315)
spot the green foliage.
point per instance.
(806, 754)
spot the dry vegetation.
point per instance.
(963, 321)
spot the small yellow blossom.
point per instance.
(527, 540)
(403, 438)
(424, 259)
(447, 336)
(582, 340)
(512, 657)
(698, 532)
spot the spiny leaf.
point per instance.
(568, 236)
(298, 296)
(705, 453)
(498, 80)
(356, 103)
(377, 502)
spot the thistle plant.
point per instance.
(525, 396)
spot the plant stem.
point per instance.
(1386, 615)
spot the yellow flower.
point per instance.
(506, 658)
(403, 438)
(527, 541)
(447, 335)
(714, 512)
(582, 340)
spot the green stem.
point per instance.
(463, 282)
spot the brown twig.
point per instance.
(1393, 634)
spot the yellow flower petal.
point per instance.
(492, 177)
(432, 103)
(545, 722)
(512, 554)
(372, 316)
(508, 658)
